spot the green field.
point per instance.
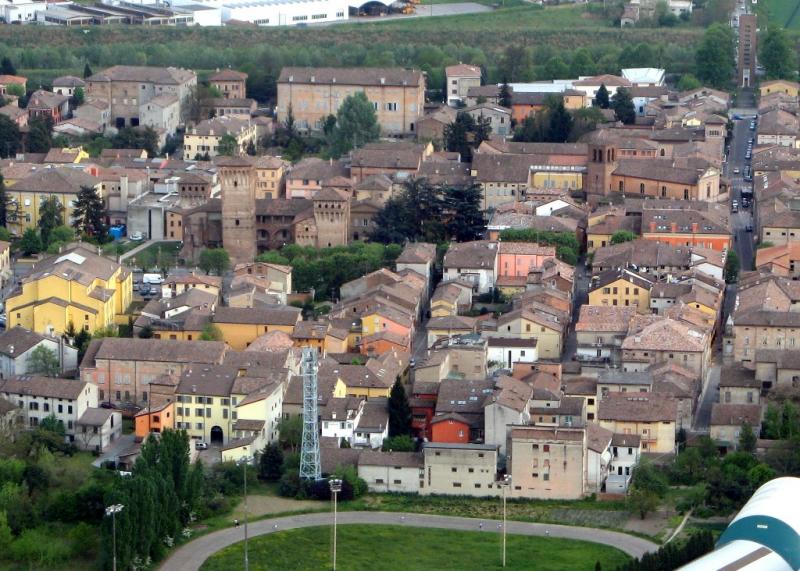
(785, 13)
(385, 547)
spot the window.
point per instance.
(546, 476)
(546, 448)
(391, 106)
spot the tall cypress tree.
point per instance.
(399, 411)
(601, 98)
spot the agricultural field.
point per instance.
(413, 549)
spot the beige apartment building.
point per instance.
(653, 417)
(204, 138)
(460, 469)
(126, 88)
(548, 462)
(460, 78)
(397, 94)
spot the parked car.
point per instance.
(736, 170)
(136, 237)
(154, 279)
(200, 445)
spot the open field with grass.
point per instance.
(384, 547)
(784, 13)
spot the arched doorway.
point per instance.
(216, 435)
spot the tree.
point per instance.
(516, 63)
(555, 68)
(731, 266)
(251, 149)
(399, 411)
(214, 259)
(642, 501)
(78, 96)
(329, 125)
(648, 486)
(6, 67)
(504, 95)
(400, 443)
(62, 233)
(228, 146)
(30, 243)
(52, 424)
(10, 137)
(560, 124)
(87, 71)
(688, 82)
(601, 98)
(211, 332)
(291, 432)
(714, 59)
(777, 56)
(44, 362)
(621, 236)
(51, 216)
(457, 136)
(464, 218)
(4, 205)
(146, 332)
(137, 138)
(747, 438)
(622, 104)
(582, 63)
(89, 214)
(40, 134)
(270, 464)
(356, 124)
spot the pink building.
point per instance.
(516, 259)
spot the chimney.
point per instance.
(673, 227)
(123, 190)
(313, 79)
(652, 226)
(11, 349)
(383, 81)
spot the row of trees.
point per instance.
(425, 212)
(324, 270)
(160, 499)
(673, 555)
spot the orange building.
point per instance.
(689, 224)
(451, 427)
(517, 259)
(524, 104)
(154, 419)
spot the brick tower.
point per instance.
(238, 183)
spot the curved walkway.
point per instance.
(192, 555)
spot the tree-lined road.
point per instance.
(191, 556)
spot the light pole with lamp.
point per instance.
(336, 487)
(504, 483)
(244, 461)
(113, 510)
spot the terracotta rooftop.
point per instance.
(641, 407)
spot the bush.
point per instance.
(289, 485)
(39, 548)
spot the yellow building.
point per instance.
(76, 287)
(270, 177)
(546, 328)
(204, 138)
(621, 288)
(603, 224)
(651, 416)
(25, 196)
(779, 86)
(241, 326)
(566, 177)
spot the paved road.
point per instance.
(710, 395)
(743, 240)
(582, 277)
(192, 555)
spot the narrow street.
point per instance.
(582, 277)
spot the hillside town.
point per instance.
(523, 290)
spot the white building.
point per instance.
(391, 471)
(273, 12)
(644, 76)
(474, 262)
(460, 469)
(72, 402)
(508, 405)
(19, 11)
(17, 345)
(339, 418)
(598, 456)
(162, 113)
(625, 452)
(373, 426)
(98, 428)
(507, 351)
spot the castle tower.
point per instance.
(237, 177)
(332, 217)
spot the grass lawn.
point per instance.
(784, 13)
(119, 247)
(160, 254)
(588, 513)
(378, 547)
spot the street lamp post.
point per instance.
(336, 487)
(504, 483)
(244, 462)
(113, 510)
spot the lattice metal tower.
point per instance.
(310, 467)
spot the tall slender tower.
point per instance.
(310, 466)
(748, 40)
(238, 182)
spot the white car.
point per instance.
(200, 445)
(136, 237)
(736, 170)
